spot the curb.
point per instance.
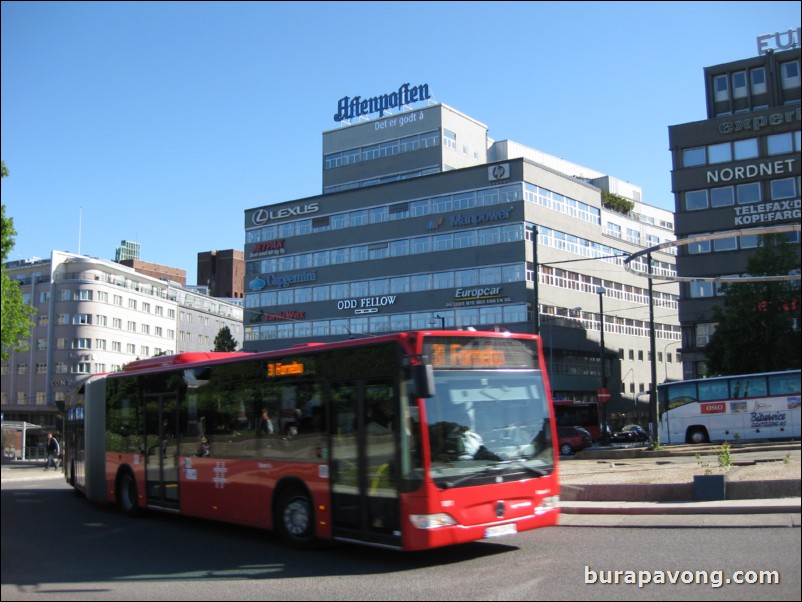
(678, 492)
(766, 506)
(612, 453)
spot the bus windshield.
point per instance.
(486, 423)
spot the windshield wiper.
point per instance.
(498, 467)
(534, 470)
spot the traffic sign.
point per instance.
(604, 395)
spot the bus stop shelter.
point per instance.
(15, 441)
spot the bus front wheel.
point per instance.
(697, 435)
(295, 518)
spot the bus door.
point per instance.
(365, 504)
(161, 455)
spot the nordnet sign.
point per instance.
(348, 108)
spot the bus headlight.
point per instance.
(432, 521)
(549, 503)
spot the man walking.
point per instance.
(53, 450)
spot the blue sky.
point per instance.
(163, 122)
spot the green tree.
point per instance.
(614, 202)
(224, 341)
(16, 315)
(758, 326)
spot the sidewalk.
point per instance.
(762, 479)
(26, 470)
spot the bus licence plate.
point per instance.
(501, 530)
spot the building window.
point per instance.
(790, 74)
(719, 153)
(695, 200)
(399, 285)
(691, 157)
(725, 244)
(758, 77)
(698, 247)
(782, 189)
(748, 193)
(449, 140)
(722, 197)
(700, 290)
(739, 84)
(745, 149)
(780, 144)
(703, 333)
(749, 241)
(721, 88)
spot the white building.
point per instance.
(92, 316)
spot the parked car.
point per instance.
(573, 439)
(631, 433)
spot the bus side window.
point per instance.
(784, 385)
(713, 391)
(755, 387)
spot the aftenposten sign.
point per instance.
(348, 108)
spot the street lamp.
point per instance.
(442, 321)
(605, 431)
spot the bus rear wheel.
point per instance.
(295, 518)
(127, 496)
(697, 435)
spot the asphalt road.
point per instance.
(57, 546)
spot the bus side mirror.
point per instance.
(423, 376)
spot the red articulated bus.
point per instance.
(408, 441)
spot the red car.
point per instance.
(573, 439)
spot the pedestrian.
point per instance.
(265, 424)
(53, 450)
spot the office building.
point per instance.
(737, 169)
(223, 273)
(425, 222)
(128, 249)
